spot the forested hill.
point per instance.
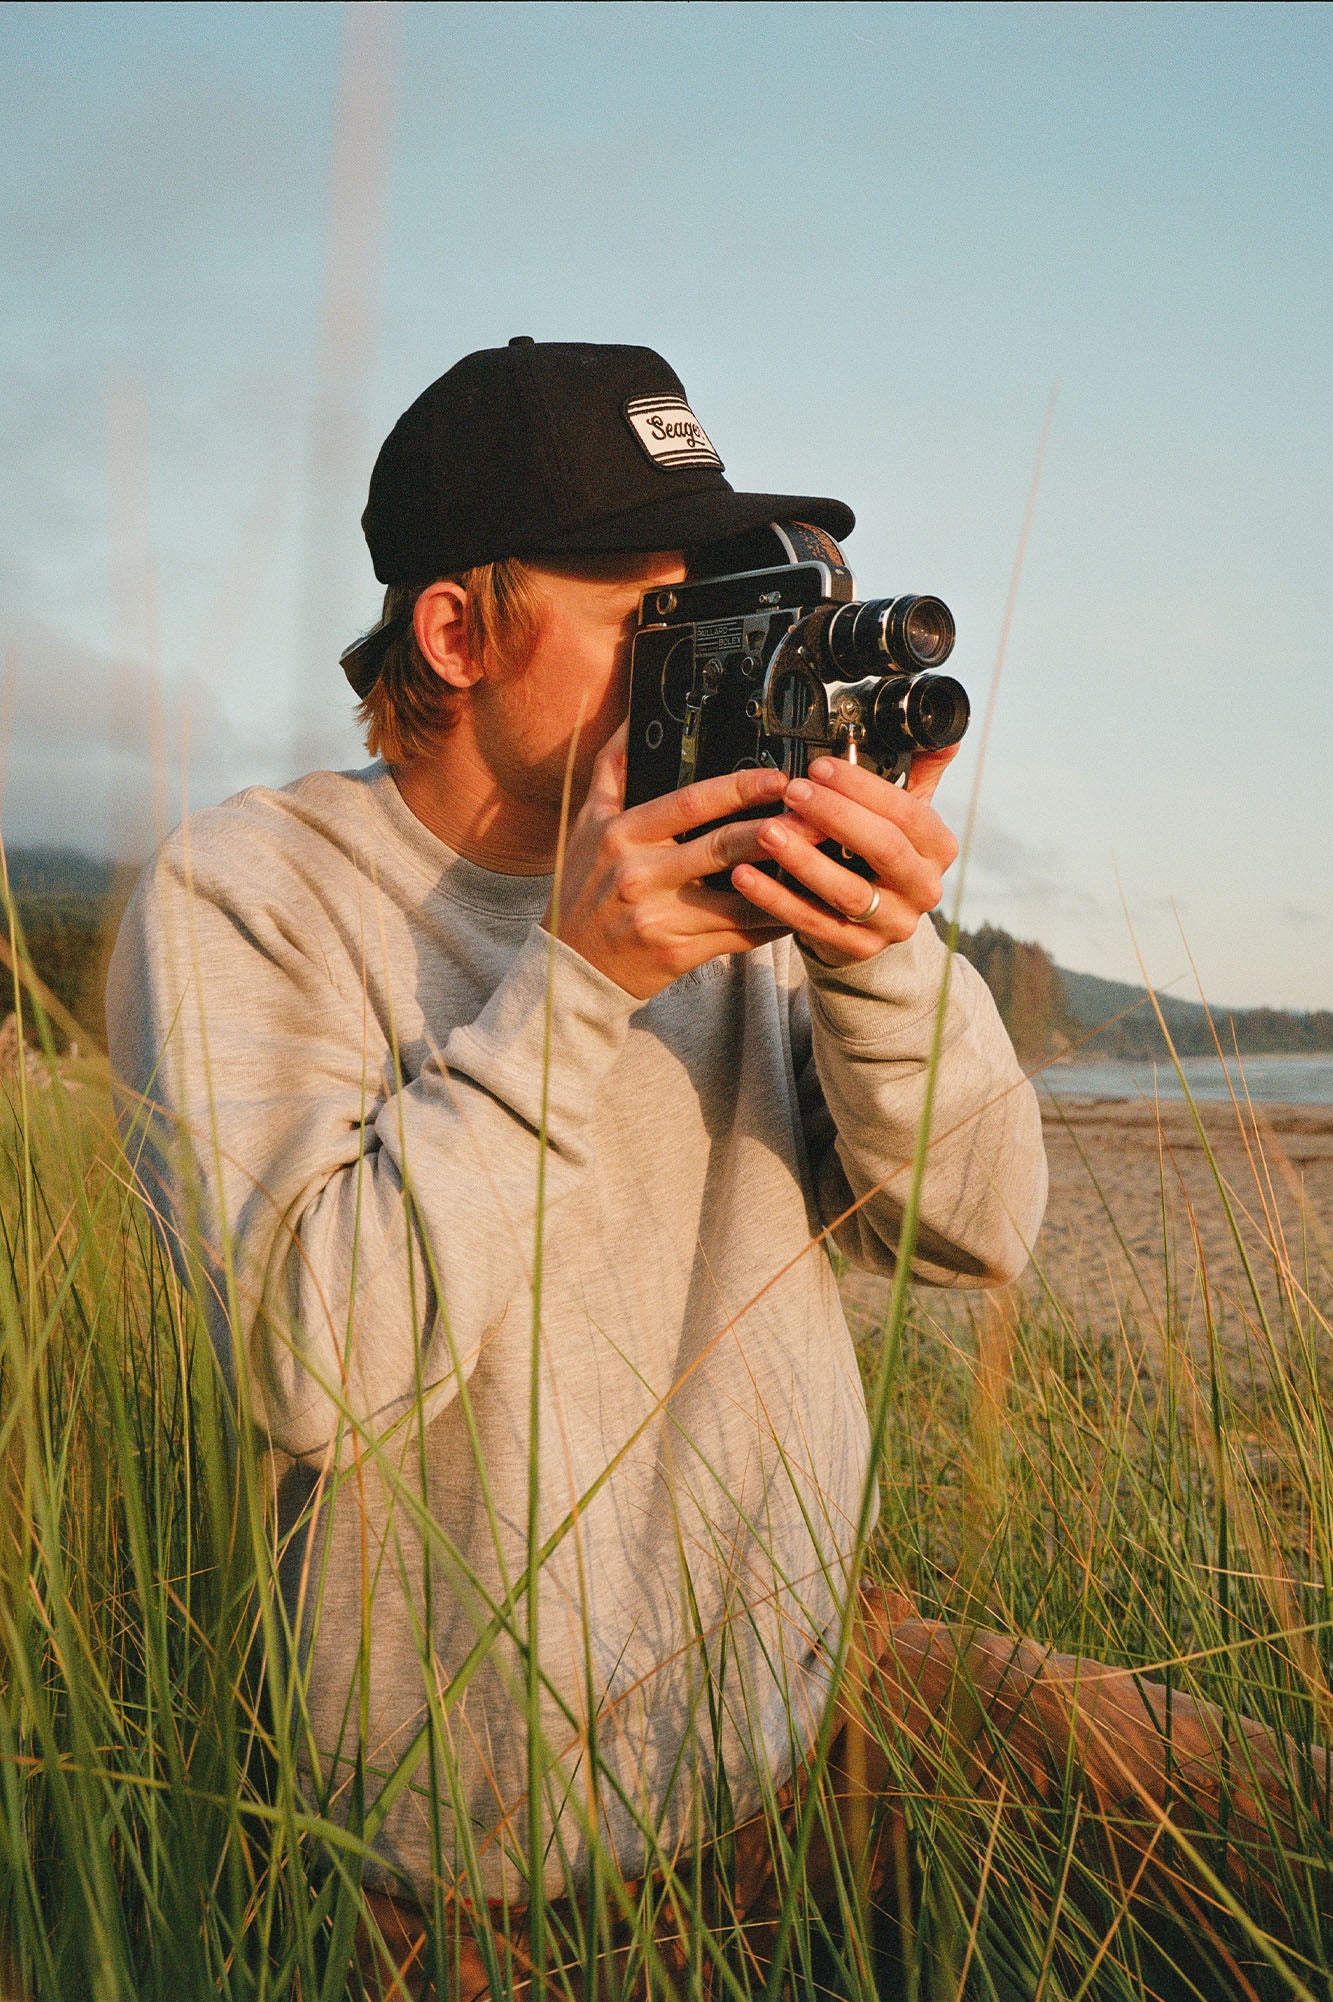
(1047, 1009)
(1090, 1000)
(69, 904)
(57, 872)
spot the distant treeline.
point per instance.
(1195, 1030)
(1026, 984)
(68, 939)
(68, 906)
(1048, 1009)
(57, 872)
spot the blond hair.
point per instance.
(409, 708)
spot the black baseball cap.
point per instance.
(552, 448)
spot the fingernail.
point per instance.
(800, 789)
(822, 768)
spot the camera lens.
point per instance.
(912, 633)
(926, 712)
(937, 710)
(928, 632)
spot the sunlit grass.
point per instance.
(1125, 1490)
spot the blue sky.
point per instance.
(872, 239)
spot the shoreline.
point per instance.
(1301, 1077)
(1280, 1115)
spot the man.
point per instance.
(512, 1180)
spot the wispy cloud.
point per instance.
(96, 756)
(1034, 876)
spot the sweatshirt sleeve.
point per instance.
(360, 1236)
(862, 1038)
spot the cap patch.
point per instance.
(669, 432)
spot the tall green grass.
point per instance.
(1120, 1489)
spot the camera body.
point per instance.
(764, 656)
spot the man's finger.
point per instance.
(721, 848)
(606, 787)
(895, 919)
(928, 768)
(845, 890)
(896, 802)
(707, 799)
(892, 848)
(868, 789)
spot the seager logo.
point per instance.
(669, 432)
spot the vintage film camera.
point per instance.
(764, 656)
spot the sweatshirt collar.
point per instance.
(450, 874)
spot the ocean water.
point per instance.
(1268, 1080)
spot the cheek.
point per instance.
(573, 667)
(585, 671)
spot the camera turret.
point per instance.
(809, 698)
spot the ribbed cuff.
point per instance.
(898, 973)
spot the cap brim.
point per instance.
(682, 521)
(361, 662)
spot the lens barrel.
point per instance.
(911, 633)
(919, 712)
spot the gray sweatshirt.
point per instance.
(452, 1184)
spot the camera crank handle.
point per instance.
(707, 676)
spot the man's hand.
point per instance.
(894, 828)
(631, 899)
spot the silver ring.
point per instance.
(869, 911)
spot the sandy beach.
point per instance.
(1135, 1200)
(1135, 1210)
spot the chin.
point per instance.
(549, 781)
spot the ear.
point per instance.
(441, 634)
